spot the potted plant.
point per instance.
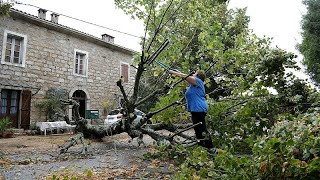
(5, 130)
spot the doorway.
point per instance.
(80, 96)
(9, 106)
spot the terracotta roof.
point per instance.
(15, 13)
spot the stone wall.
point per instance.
(50, 62)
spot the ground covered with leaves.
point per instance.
(37, 157)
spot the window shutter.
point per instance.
(25, 109)
(124, 72)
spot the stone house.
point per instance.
(39, 54)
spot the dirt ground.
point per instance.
(37, 157)
(21, 144)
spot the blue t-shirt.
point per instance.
(195, 96)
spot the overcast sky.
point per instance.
(279, 19)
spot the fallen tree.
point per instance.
(240, 68)
(128, 124)
(135, 128)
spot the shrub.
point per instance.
(290, 150)
(4, 124)
(51, 104)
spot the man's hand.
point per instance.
(172, 72)
(177, 73)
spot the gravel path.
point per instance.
(34, 157)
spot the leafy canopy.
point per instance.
(249, 91)
(4, 8)
(241, 67)
(310, 46)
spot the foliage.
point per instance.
(5, 130)
(5, 7)
(245, 68)
(290, 150)
(191, 160)
(248, 88)
(108, 106)
(310, 39)
(241, 59)
(173, 114)
(4, 124)
(69, 174)
(252, 116)
(205, 44)
(52, 105)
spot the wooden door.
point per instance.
(25, 109)
(9, 106)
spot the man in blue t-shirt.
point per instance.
(197, 106)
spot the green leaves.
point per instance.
(5, 123)
(253, 102)
(52, 104)
(310, 39)
(5, 8)
(173, 114)
(293, 142)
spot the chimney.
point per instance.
(108, 38)
(42, 13)
(54, 17)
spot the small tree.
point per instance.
(51, 105)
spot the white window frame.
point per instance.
(122, 62)
(22, 52)
(86, 60)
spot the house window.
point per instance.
(3, 105)
(14, 49)
(124, 71)
(80, 63)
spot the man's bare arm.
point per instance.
(189, 79)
